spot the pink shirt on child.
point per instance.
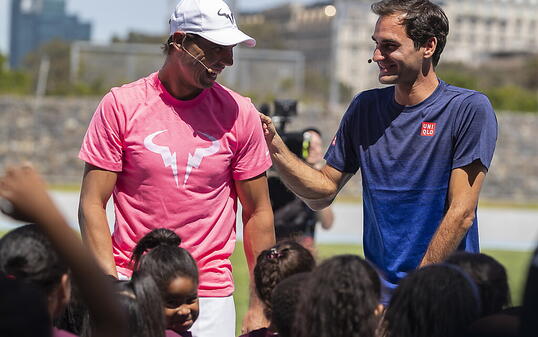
(177, 162)
(61, 333)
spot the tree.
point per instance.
(13, 82)
(59, 81)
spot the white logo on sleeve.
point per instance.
(169, 158)
(196, 159)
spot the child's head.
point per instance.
(284, 302)
(489, 275)
(27, 255)
(23, 310)
(434, 301)
(141, 303)
(175, 272)
(341, 299)
(275, 264)
(141, 300)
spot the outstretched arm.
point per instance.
(258, 235)
(26, 191)
(463, 193)
(317, 188)
(97, 186)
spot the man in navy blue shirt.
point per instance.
(423, 148)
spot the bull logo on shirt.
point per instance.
(170, 160)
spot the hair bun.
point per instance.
(160, 237)
(155, 238)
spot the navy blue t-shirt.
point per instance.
(406, 155)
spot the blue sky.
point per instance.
(117, 17)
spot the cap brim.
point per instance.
(228, 37)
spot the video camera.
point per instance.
(281, 112)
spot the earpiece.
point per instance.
(178, 46)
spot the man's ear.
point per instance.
(178, 38)
(65, 292)
(429, 47)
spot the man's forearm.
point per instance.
(96, 235)
(309, 184)
(258, 235)
(448, 236)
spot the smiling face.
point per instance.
(184, 74)
(398, 60)
(214, 56)
(181, 304)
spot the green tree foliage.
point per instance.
(58, 80)
(13, 82)
(136, 37)
(268, 35)
(530, 69)
(510, 84)
(458, 75)
(513, 98)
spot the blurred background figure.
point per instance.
(294, 220)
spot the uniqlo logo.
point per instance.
(428, 129)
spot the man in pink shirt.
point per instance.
(176, 150)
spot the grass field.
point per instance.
(516, 264)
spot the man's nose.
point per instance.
(377, 56)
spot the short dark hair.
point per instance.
(433, 301)
(275, 264)
(339, 300)
(159, 255)
(284, 302)
(490, 277)
(27, 255)
(423, 20)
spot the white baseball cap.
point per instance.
(211, 19)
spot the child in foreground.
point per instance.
(273, 265)
(29, 201)
(175, 272)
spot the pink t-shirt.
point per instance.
(177, 162)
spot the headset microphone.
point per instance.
(369, 60)
(209, 70)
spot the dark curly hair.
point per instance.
(26, 254)
(275, 264)
(490, 277)
(423, 20)
(159, 255)
(286, 296)
(434, 301)
(340, 300)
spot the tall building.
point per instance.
(34, 22)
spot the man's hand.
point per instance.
(254, 318)
(269, 130)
